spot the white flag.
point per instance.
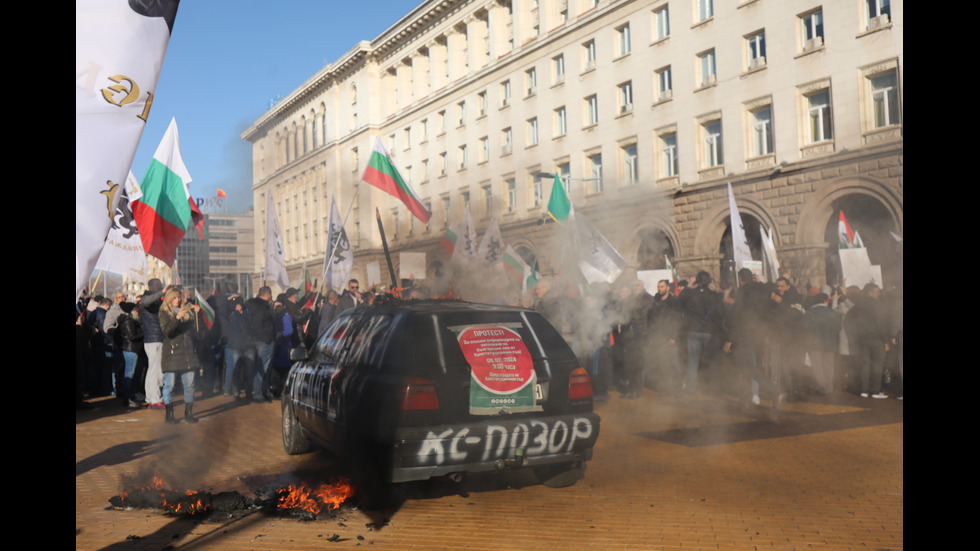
(740, 244)
(123, 251)
(466, 247)
(338, 260)
(769, 251)
(275, 259)
(119, 50)
(491, 246)
(598, 259)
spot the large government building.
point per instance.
(646, 108)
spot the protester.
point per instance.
(129, 336)
(150, 304)
(702, 319)
(177, 322)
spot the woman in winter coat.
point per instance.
(178, 320)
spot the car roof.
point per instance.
(436, 306)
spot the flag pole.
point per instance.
(384, 242)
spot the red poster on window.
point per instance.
(502, 370)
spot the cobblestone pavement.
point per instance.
(668, 473)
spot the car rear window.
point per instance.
(432, 337)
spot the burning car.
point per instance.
(442, 388)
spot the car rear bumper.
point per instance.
(420, 453)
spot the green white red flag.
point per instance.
(164, 212)
(449, 240)
(848, 238)
(205, 309)
(119, 51)
(382, 174)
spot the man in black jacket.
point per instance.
(262, 328)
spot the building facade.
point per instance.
(646, 108)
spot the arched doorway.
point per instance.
(654, 249)
(872, 221)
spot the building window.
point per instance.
(591, 110)
(588, 55)
(629, 163)
(537, 189)
(484, 149)
(704, 9)
(713, 146)
(706, 64)
(407, 137)
(668, 155)
(511, 194)
(811, 30)
(445, 212)
(481, 100)
(820, 116)
(532, 131)
(623, 45)
(561, 121)
(506, 141)
(425, 130)
(442, 164)
(762, 141)
(461, 112)
(425, 170)
(461, 157)
(564, 171)
(488, 199)
(884, 100)
(593, 164)
(661, 22)
(505, 93)
(558, 69)
(878, 13)
(665, 84)
(531, 81)
(441, 121)
(625, 98)
(755, 50)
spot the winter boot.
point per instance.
(170, 414)
(189, 413)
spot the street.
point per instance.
(700, 472)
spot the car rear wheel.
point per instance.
(560, 476)
(293, 439)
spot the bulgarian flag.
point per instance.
(205, 309)
(449, 240)
(844, 233)
(515, 265)
(163, 214)
(382, 174)
(559, 206)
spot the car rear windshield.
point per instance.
(433, 337)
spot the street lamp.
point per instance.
(549, 175)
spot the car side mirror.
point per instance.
(298, 354)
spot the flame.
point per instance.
(329, 495)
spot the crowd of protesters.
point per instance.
(753, 341)
(764, 340)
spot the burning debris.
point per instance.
(295, 499)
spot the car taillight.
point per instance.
(419, 394)
(579, 384)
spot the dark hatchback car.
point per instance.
(443, 388)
